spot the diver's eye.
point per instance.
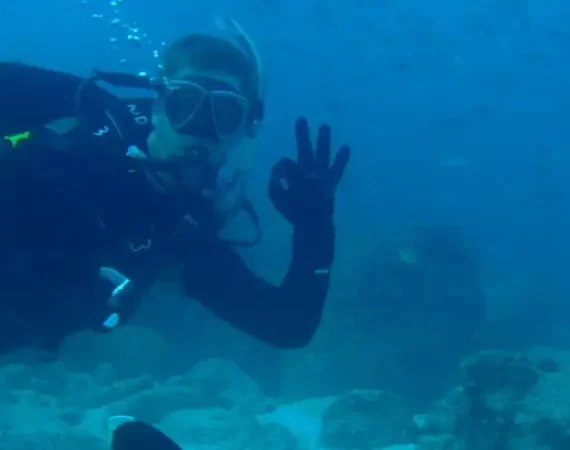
(181, 105)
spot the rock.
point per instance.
(437, 442)
(15, 376)
(303, 419)
(54, 380)
(52, 385)
(132, 351)
(511, 401)
(72, 416)
(272, 436)
(210, 427)
(441, 419)
(498, 379)
(52, 441)
(153, 405)
(401, 447)
(210, 384)
(80, 390)
(122, 389)
(226, 383)
(366, 419)
(8, 389)
(105, 373)
(220, 428)
(29, 416)
(45, 401)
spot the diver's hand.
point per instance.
(303, 190)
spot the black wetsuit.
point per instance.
(72, 202)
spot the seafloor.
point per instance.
(500, 400)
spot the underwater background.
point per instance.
(447, 324)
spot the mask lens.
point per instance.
(228, 111)
(181, 104)
(205, 108)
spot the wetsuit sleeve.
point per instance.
(32, 96)
(285, 316)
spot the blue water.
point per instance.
(457, 113)
(408, 85)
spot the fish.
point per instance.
(128, 433)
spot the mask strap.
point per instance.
(246, 43)
(250, 49)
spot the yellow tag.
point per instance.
(16, 138)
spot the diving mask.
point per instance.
(204, 107)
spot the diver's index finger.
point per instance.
(304, 146)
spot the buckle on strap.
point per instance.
(122, 283)
(145, 246)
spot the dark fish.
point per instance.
(137, 435)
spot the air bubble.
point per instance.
(128, 31)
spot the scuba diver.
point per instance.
(101, 192)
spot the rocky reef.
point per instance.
(214, 405)
(504, 401)
(500, 400)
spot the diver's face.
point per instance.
(167, 144)
(192, 125)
